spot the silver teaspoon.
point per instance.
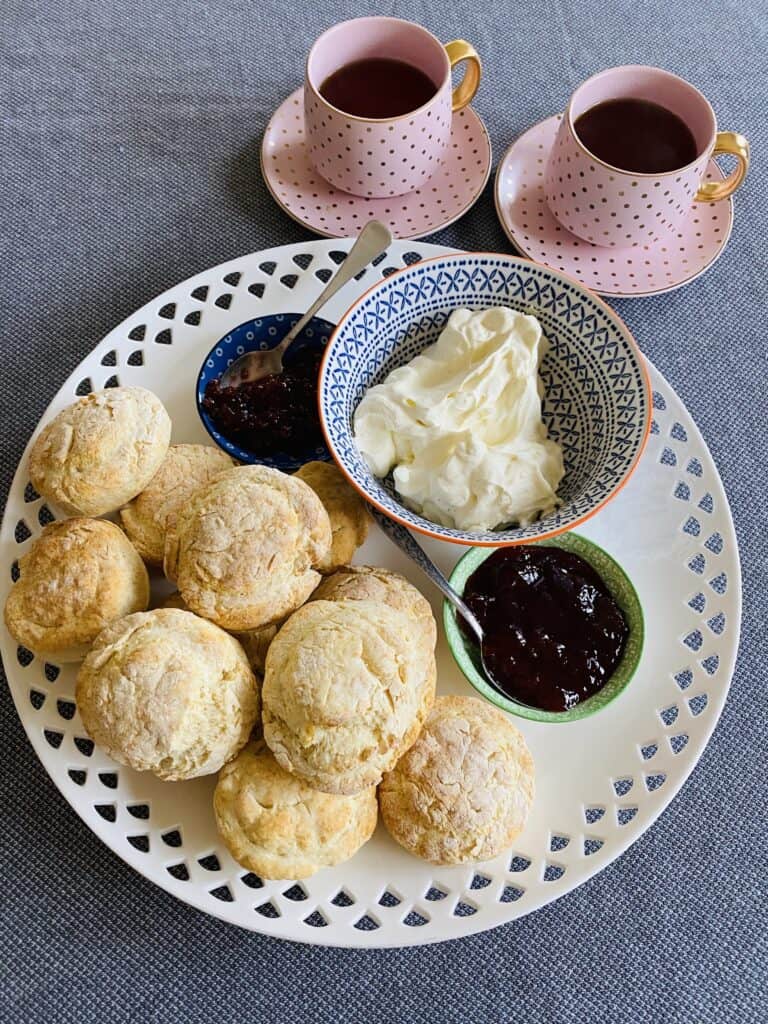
(373, 240)
(408, 544)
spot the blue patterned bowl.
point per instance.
(597, 392)
(264, 333)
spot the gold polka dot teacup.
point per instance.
(381, 157)
(609, 206)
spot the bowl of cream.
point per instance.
(484, 400)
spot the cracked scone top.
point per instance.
(101, 451)
(345, 693)
(77, 576)
(463, 791)
(185, 469)
(372, 583)
(243, 550)
(167, 692)
(274, 824)
(346, 511)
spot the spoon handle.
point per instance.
(411, 547)
(373, 240)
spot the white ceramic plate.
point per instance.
(600, 782)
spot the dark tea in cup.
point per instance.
(378, 87)
(637, 135)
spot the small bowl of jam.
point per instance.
(273, 421)
(563, 627)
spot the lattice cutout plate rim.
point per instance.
(671, 529)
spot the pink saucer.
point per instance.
(642, 270)
(309, 199)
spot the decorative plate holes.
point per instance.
(269, 267)
(53, 738)
(698, 603)
(15, 571)
(684, 678)
(316, 920)
(433, 894)
(389, 899)
(164, 337)
(138, 333)
(654, 427)
(140, 843)
(84, 745)
(717, 623)
(707, 504)
(108, 779)
(85, 387)
(654, 782)
(366, 924)
(698, 564)
(67, 709)
(413, 919)
(24, 656)
(710, 664)
(193, 318)
(140, 811)
(625, 814)
(622, 786)
(30, 494)
(714, 543)
(678, 432)
(720, 583)
(106, 811)
(257, 289)
(410, 258)
(172, 838)
(303, 259)
(51, 672)
(209, 863)
(668, 457)
(692, 526)
(592, 844)
(168, 312)
(519, 863)
(343, 899)
(224, 301)
(289, 280)
(553, 872)
(337, 257)
(593, 814)
(558, 842)
(136, 358)
(200, 293)
(223, 893)
(179, 871)
(45, 516)
(464, 909)
(36, 699)
(297, 893)
(269, 909)
(22, 532)
(112, 382)
(233, 278)
(682, 492)
(694, 467)
(78, 776)
(697, 704)
(251, 881)
(109, 358)
(480, 882)
(678, 743)
(324, 274)
(648, 751)
(511, 894)
(387, 271)
(669, 715)
(658, 401)
(694, 640)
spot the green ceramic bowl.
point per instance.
(467, 654)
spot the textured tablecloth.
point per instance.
(129, 149)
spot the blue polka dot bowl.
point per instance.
(261, 334)
(597, 396)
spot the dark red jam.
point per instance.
(277, 413)
(553, 633)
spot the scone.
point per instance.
(345, 693)
(167, 692)
(463, 791)
(101, 451)
(243, 550)
(346, 511)
(77, 577)
(275, 825)
(255, 642)
(371, 583)
(185, 469)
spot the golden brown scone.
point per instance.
(345, 693)
(185, 469)
(243, 550)
(463, 791)
(275, 825)
(370, 583)
(255, 642)
(101, 451)
(78, 576)
(168, 692)
(346, 511)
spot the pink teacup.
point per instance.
(380, 157)
(609, 206)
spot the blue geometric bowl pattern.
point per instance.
(261, 334)
(597, 395)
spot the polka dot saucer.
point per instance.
(651, 269)
(309, 199)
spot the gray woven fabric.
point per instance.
(129, 146)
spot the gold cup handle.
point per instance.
(464, 93)
(734, 145)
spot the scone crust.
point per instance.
(274, 824)
(243, 549)
(346, 511)
(78, 576)
(101, 451)
(463, 791)
(185, 469)
(372, 583)
(345, 693)
(168, 692)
